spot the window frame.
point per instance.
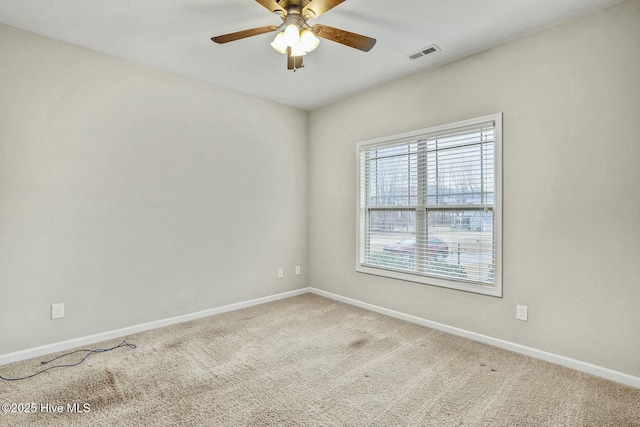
(496, 289)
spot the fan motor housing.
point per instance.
(293, 6)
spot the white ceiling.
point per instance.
(174, 35)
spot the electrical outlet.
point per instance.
(280, 273)
(57, 311)
(522, 312)
(297, 270)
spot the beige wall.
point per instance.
(571, 102)
(134, 195)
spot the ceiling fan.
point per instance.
(295, 37)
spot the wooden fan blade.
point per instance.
(346, 38)
(226, 38)
(294, 62)
(272, 6)
(318, 7)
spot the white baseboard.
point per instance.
(496, 342)
(118, 333)
(574, 364)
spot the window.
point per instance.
(429, 207)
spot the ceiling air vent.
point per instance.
(423, 52)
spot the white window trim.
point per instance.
(496, 289)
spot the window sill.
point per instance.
(495, 290)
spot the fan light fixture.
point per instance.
(300, 43)
(295, 37)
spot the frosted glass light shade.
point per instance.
(298, 49)
(279, 44)
(309, 40)
(291, 35)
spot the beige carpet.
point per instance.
(312, 361)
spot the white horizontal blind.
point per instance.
(427, 204)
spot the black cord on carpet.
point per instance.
(89, 353)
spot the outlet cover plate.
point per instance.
(57, 311)
(522, 312)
